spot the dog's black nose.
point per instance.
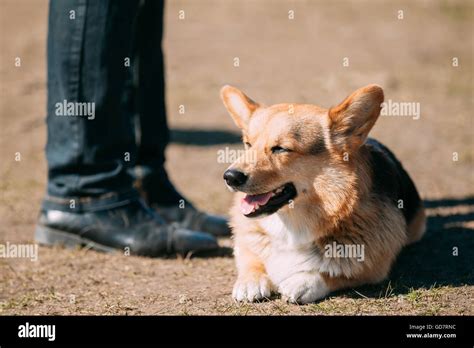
(234, 178)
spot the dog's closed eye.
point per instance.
(279, 149)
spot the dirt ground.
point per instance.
(281, 60)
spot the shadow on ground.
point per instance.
(221, 252)
(202, 137)
(431, 262)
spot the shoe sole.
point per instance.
(50, 237)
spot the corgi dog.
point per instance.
(319, 205)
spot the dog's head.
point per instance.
(297, 152)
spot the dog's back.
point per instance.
(391, 180)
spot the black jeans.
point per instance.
(106, 115)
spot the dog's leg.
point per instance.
(252, 283)
(304, 287)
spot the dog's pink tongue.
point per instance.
(248, 203)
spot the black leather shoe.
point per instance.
(133, 226)
(160, 194)
(194, 219)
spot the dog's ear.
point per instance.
(351, 121)
(240, 106)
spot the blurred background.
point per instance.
(288, 51)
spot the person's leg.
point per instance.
(91, 141)
(153, 179)
(90, 135)
(150, 104)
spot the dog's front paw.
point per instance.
(252, 288)
(303, 287)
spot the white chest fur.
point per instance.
(292, 247)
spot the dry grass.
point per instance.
(281, 60)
